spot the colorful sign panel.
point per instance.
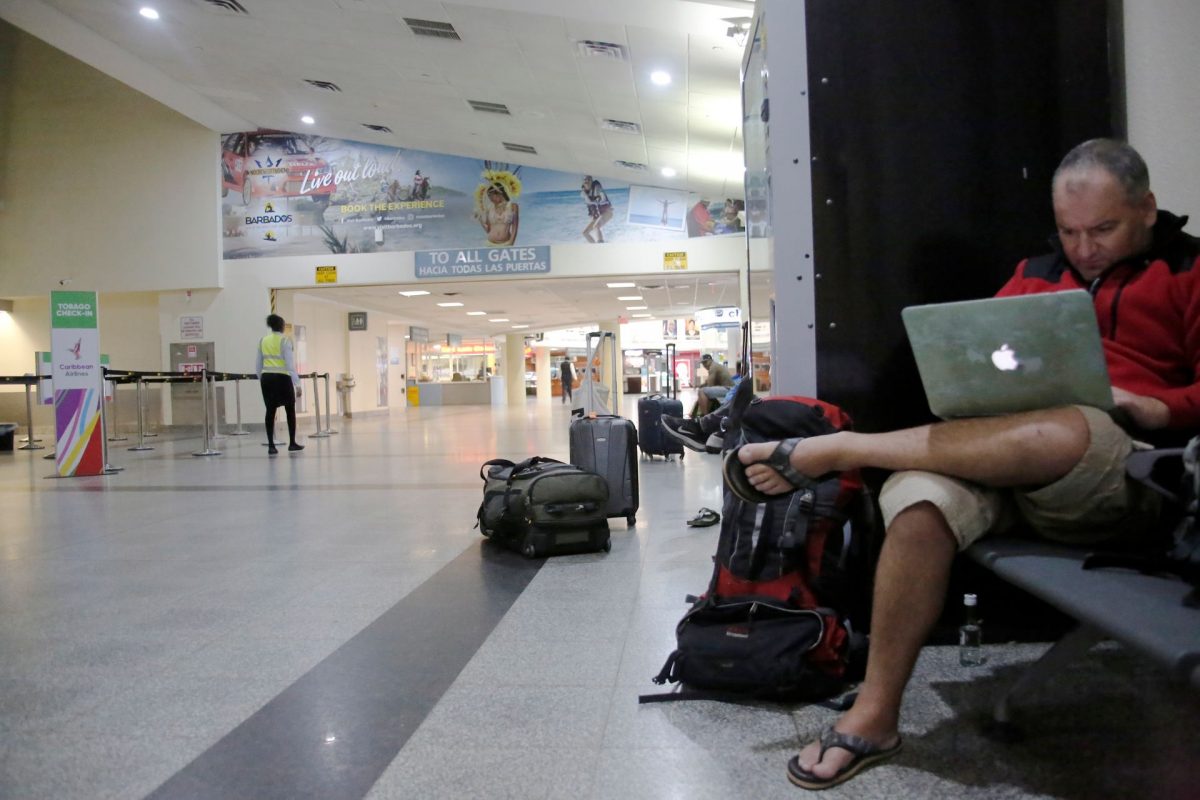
(75, 367)
(294, 194)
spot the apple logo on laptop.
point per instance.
(1005, 359)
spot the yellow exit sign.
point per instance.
(326, 274)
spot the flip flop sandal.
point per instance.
(739, 484)
(704, 519)
(865, 754)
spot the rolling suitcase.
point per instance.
(651, 439)
(607, 444)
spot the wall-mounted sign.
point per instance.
(417, 334)
(357, 320)
(675, 261)
(453, 339)
(191, 327)
(718, 318)
(483, 261)
(326, 274)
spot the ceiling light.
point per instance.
(630, 297)
(477, 313)
(520, 326)
(414, 293)
(500, 319)
(449, 305)
(660, 78)
(641, 316)
(683, 302)
(620, 285)
(636, 308)
(148, 12)
(668, 172)
(307, 119)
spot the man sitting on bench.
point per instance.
(1060, 470)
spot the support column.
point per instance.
(542, 360)
(514, 368)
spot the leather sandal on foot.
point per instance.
(779, 460)
(704, 519)
(865, 754)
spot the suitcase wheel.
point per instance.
(630, 520)
(607, 546)
(529, 551)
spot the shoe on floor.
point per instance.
(271, 451)
(714, 443)
(704, 519)
(685, 430)
(294, 447)
(865, 754)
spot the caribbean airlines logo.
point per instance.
(74, 351)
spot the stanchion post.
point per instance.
(320, 434)
(328, 428)
(216, 413)
(141, 417)
(116, 436)
(108, 469)
(207, 451)
(237, 393)
(31, 443)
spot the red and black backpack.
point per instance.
(784, 611)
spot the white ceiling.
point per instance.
(234, 71)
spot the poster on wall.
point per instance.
(286, 193)
(75, 367)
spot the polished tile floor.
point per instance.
(329, 625)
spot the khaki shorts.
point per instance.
(1094, 502)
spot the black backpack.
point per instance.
(1177, 553)
(778, 620)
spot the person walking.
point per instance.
(275, 365)
(566, 374)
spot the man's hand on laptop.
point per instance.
(1148, 413)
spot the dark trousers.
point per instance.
(277, 391)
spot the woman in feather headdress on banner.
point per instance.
(495, 204)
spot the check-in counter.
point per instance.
(458, 393)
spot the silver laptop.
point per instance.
(1007, 354)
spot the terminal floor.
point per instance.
(329, 625)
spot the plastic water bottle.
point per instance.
(970, 635)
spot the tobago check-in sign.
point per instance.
(75, 367)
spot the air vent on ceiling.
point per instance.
(493, 108)
(378, 128)
(519, 148)
(620, 125)
(631, 165)
(328, 86)
(230, 6)
(429, 27)
(590, 48)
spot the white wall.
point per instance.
(101, 186)
(1162, 67)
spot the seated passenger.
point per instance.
(715, 386)
(1060, 470)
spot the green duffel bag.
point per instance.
(541, 506)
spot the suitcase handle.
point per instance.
(558, 509)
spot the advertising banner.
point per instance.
(75, 366)
(287, 193)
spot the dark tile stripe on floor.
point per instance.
(333, 732)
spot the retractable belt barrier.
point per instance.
(28, 381)
(327, 430)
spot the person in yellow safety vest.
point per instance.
(276, 368)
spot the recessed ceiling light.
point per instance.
(477, 313)
(641, 316)
(636, 308)
(520, 326)
(500, 319)
(148, 12)
(683, 302)
(668, 172)
(450, 305)
(660, 78)
(414, 293)
(629, 297)
(620, 285)
(307, 119)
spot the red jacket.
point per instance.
(1148, 308)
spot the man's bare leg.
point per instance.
(1031, 449)
(910, 586)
